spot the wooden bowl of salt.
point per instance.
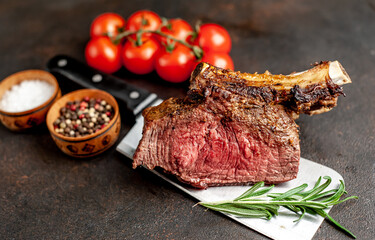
(25, 98)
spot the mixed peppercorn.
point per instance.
(82, 118)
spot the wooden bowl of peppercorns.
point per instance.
(85, 122)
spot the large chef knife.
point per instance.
(280, 227)
(136, 99)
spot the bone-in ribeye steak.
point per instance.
(236, 128)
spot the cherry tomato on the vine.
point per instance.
(213, 37)
(143, 52)
(103, 55)
(218, 59)
(107, 24)
(177, 28)
(143, 19)
(175, 66)
(140, 59)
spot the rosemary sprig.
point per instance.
(256, 203)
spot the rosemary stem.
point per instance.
(311, 204)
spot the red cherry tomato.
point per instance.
(213, 37)
(140, 59)
(218, 59)
(103, 55)
(177, 28)
(175, 66)
(143, 19)
(106, 24)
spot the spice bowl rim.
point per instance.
(36, 73)
(64, 98)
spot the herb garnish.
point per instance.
(256, 203)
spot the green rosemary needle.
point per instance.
(256, 203)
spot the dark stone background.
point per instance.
(46, 195)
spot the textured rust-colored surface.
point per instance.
(46, 194)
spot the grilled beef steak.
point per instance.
(235, 128)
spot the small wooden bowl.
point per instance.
(90, 145)
(17, 121)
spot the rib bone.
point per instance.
(312, 91)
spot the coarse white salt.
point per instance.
(26, 95)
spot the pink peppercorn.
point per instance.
(83, 104)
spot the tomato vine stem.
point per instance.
(197, 51)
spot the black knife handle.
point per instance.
(88, 77)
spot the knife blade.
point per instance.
(134, 98)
